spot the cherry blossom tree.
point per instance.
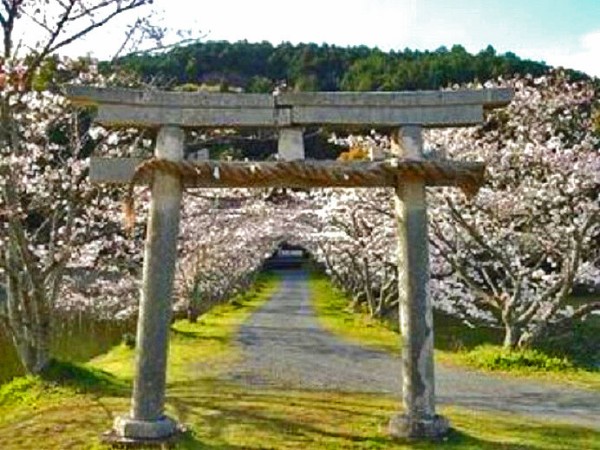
(356, 241)
(226, 237)
(512, 254)
(42, 165)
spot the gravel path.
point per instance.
(283, 345)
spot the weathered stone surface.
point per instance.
(407, 426)
(489, 98)
(290, 146)
(376, 154)
(282, 117)
(87, 95)
(113, 170)
(155, 305)
(161, 428)
(202, 154)
(122, 107)
(112, 115)
(415, 311)
(428, 116)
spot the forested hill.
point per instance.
(256, 67)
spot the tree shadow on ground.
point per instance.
(228, 416)
(86, 379)
(301, 435)
(197, 335)
(451, 334)
(578, 342)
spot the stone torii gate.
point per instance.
(169, 174)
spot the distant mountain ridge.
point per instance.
(259, 67)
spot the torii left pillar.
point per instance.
(147, 421)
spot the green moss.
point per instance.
(84, 378)
(222, 415)
(234, 417)
(60, 379)
(22, 390)
(335, 315)
(491, 357)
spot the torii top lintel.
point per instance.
(153, 108)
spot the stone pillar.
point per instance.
(290, 146)
(147, 420)
(418, 419)
(376, 154)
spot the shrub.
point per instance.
(491, 357)
(21, 389)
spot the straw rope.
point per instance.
(467, 176)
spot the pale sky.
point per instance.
(559, 32)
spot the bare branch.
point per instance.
(474, 233)
(580, 313)
(53, 44)
(121, 9)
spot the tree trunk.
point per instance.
(35, 355)
(28, 317)
(32, 343)
(192, 313)
(368, 288)
(532, 335)
(511, 336)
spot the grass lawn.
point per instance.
(74, 404)
(455, 343)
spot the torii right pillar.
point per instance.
(418, 418)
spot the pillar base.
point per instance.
(405, 426)
(128, 431)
